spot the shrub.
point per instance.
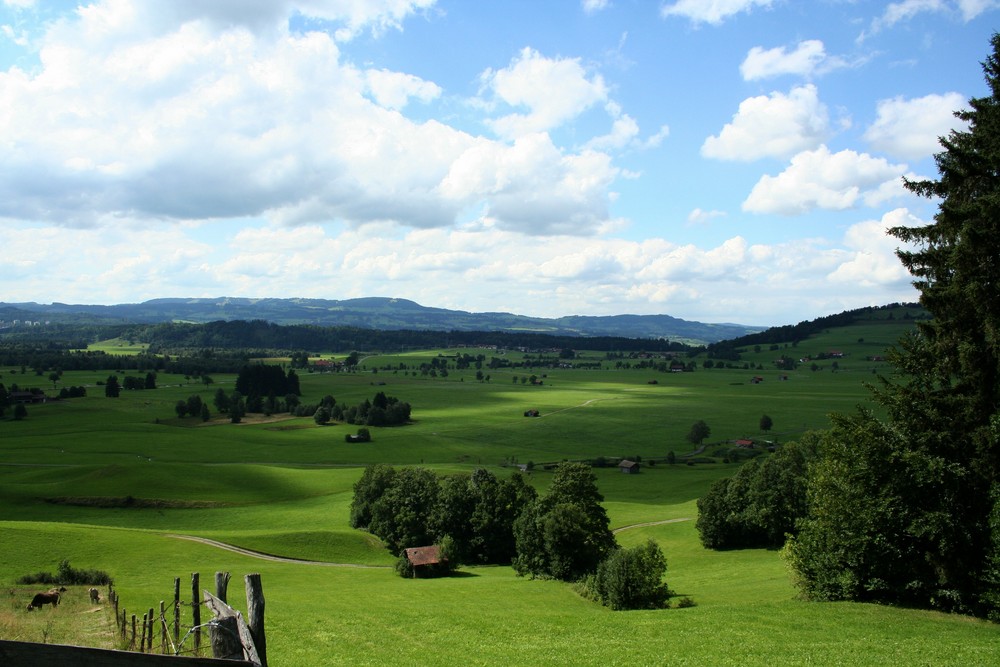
(67, 575)
(631, 579)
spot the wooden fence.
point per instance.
(234, 641)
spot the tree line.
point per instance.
(260, 334)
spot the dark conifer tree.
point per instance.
(900, 508)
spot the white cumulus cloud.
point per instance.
(870, 252)
(776, 125)
(910, 128)
(394, 90)
(761, 63)
(137, 114)
(821, 179)
(711, 11)
(553, 90)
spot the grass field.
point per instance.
(283, 486)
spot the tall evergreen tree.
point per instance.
(900, 509)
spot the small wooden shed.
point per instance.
(426, 561)
(629, 467)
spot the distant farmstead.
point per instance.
(629, 467)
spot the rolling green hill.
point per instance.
(111, 483)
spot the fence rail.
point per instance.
(234, 641)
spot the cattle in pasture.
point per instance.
(41, 599)
(95, 595)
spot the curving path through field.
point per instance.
(574, 407)
(649, 523)
(263, 556)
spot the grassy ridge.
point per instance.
(284, 487)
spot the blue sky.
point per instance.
(715, 160)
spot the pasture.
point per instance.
(110, 484)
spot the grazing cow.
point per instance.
(95, 595)
(41, 599)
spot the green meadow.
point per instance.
(114, 484)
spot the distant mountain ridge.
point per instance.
(372, 313)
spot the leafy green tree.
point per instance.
(761, 503)
(374, 482)
(452, 515)
(766, 423)
(111, 387)
(20, 412)
(205, 414)
(900, 507)
(401, 516)
(566, 533)
(699, 431)
(632, 578)
(321, 416)
(498, 503)
(181, 408)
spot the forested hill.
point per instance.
(795, 333)
(382, 314)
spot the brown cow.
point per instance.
(95, 595)
(40, 599)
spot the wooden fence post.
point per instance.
(196, 610)
(224, 631)
(149, 637)
(177, 613)
(163, 627)
(221, 585)
(142, 639)
(255, 615)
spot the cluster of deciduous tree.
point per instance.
(382, 410)
(132, 382)
(72, 392)
(760, 504)
(413, 507)
(193, 407)
(481, 519)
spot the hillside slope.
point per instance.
(372, 313)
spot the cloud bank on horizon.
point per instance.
(731, 160)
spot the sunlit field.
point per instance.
(112, 483)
